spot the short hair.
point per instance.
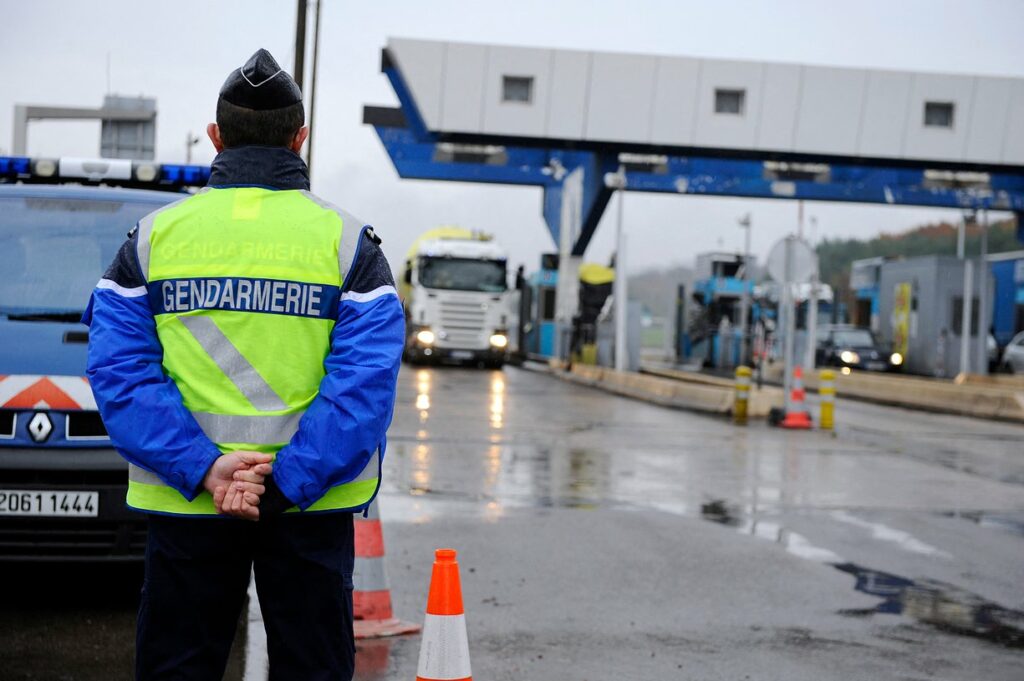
(240, 126)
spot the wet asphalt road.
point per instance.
(601, 538)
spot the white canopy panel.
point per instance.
(713, 104)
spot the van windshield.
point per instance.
(53, 250)
(463, 274)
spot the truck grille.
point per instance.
(463, 324)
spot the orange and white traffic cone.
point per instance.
(444, 652)
(797, 416)
(371, 595)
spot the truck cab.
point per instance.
(455, 292)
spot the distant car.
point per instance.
(853, 347)
(1013, 355)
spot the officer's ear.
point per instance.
(213, 130)
(299, 139)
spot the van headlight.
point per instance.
(425, 337)
(499, 340)
(896, 359)
(849, 357)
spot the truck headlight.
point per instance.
(849, 357)
(896, 359)
(499, 340)
(425, 337)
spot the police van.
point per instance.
(62, 485)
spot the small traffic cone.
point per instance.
(371, 595)
(797, 417)
(444, 652)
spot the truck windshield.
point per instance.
(463, 274)
(53, 250)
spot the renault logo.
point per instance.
(40, 427)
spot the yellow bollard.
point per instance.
(741, 400)
(827, 392)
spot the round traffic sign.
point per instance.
(803, 261)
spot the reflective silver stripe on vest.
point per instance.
(142, 246)
(351, 230)
(136, 474)
(236, 367)
(368, 575)
(254, 430)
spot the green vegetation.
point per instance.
(835, 255)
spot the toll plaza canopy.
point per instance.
(565, 120)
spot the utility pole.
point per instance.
(190, 141)
(620, 287)
(812, 305)
(968, 294)
(788, 324)
(983, 307)
(300, 42)
(312, 86)
(748, 282)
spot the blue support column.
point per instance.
(595, 194)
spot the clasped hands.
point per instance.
(236, 482)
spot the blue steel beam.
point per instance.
(415, 159)
(696, 176)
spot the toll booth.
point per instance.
(1008, 295)
(711, 329)
(865, 276)
(538, 327)
(921, 304)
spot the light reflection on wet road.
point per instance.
(520, 439)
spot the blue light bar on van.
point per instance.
(107, 171)
(189, 176)
(14, 166)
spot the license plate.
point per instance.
(49, 503)
(876, 366)
(461, 354)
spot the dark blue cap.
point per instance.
(261, 84)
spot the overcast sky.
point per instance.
(56, 52)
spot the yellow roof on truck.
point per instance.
(446, 232)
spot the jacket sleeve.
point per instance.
(347, 421)
(140, 405)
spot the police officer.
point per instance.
(244, 347)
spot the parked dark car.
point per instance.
(1013, 355)
(853, 347)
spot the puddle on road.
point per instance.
(989, 520)
(943, 606)
(373, 659)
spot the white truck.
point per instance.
(454, 286)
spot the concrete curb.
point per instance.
(945, 397)
(994, 400)
(710, 397)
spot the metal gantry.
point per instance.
(418, 153)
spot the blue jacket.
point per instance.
(142, 407)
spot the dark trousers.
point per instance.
(197, 573)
